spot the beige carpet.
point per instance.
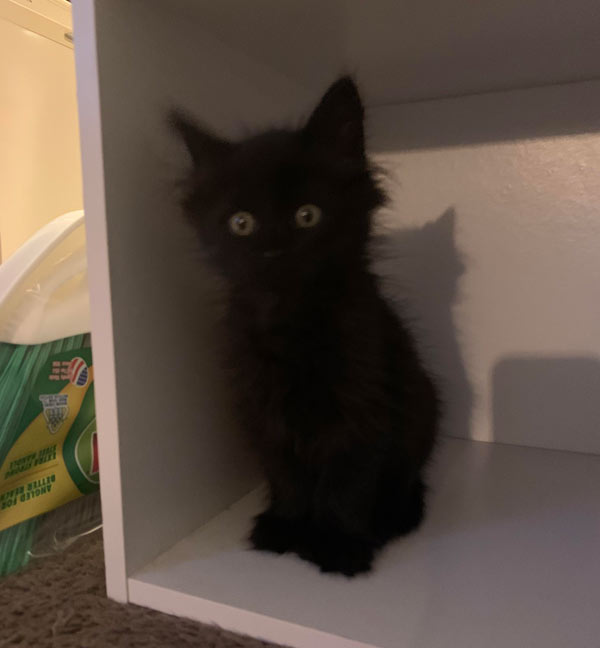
(60, 602)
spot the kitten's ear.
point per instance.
(337, 122)
(204, 148)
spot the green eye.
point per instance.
(242, 223)
(308, 216)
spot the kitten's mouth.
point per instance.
(271, 254)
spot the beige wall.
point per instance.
(39, 137)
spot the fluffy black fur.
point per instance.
(330, 386)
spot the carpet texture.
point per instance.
(61, 602)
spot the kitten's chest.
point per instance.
(289, 361)
(280, 333)
(286, 371)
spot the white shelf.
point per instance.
(411, 51)
(508, 556)
(494, 234)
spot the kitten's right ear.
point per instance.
(337, 122)
(204, 148)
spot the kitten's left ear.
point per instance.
(204, 148)
(337, 122)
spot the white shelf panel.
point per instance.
(508, 556)
(412, 51)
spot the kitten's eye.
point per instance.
(242, 224)
(308, 216)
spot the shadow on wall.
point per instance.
(421, 268)
(550, 402)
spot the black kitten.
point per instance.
(330, 385)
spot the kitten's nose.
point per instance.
(270, 254)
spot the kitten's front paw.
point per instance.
(339, 553)
(272, 533)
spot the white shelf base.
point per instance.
(508, 556)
